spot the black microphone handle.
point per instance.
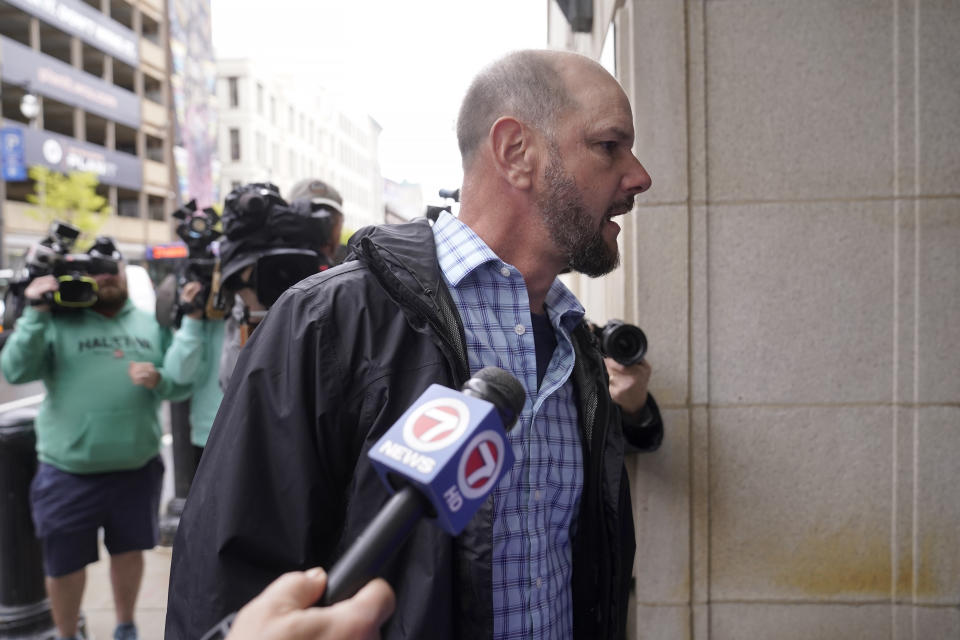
(375, 546)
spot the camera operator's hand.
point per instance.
(187, 294)
(628, 385)
(37, 288)
(283, 611)
(144, 374)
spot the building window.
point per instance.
(290, 117)
(128, 203)
(152, 88)
(259, 99)
(155, 207)
(154, 148)
(234, 144)
(233, 86)
(273, 110)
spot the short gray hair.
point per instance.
(524, 84)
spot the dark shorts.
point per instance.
(69, 509)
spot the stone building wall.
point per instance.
(796, 267)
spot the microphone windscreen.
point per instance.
(501, 389)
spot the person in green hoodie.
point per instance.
(98, 436)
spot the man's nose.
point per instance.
(636, 180)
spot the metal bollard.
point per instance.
(183, 470)
(24, 608)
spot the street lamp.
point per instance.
(29, 106)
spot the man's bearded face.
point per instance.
(578, 234)
(112, 290)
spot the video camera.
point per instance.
(281, 241)
(434, 211)
(625, 343)
(74, 271)
(198, 232)
(196, 229)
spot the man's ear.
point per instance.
(513, 151)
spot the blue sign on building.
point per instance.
(12, 154)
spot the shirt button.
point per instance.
(536, 494)
(520, 329)
(505, 272)
(539, 582)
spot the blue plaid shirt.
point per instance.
(536, 504)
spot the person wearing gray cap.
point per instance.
(269, 245)
(322, 196)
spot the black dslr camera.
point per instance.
(74, 271)
(623, 342)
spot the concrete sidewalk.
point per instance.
(151, 605)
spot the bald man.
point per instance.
(547, 145)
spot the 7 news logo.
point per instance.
(452, 448)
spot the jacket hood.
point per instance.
(403, 259)
(409, 246)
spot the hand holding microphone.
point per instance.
(443, 457)
(283, 612)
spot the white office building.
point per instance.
(277, 129)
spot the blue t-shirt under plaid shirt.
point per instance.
(536, 503)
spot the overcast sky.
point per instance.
(408, 61)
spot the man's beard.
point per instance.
(572, 230)
(111, 298)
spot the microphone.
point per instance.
(450, 194)
(442, 458)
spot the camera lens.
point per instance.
(76, 291)
(277, 273)
(252, 202)
(623, 342)
(628, 343)
(199, 225)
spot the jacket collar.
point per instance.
(404, 248)
(403, 259)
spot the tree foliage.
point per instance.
(70, 198)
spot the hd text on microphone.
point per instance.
(342, 440)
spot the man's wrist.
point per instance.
(191, 325)
(642, 418)
(34, 314)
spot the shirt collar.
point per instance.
(460, 251)
(563, 307)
